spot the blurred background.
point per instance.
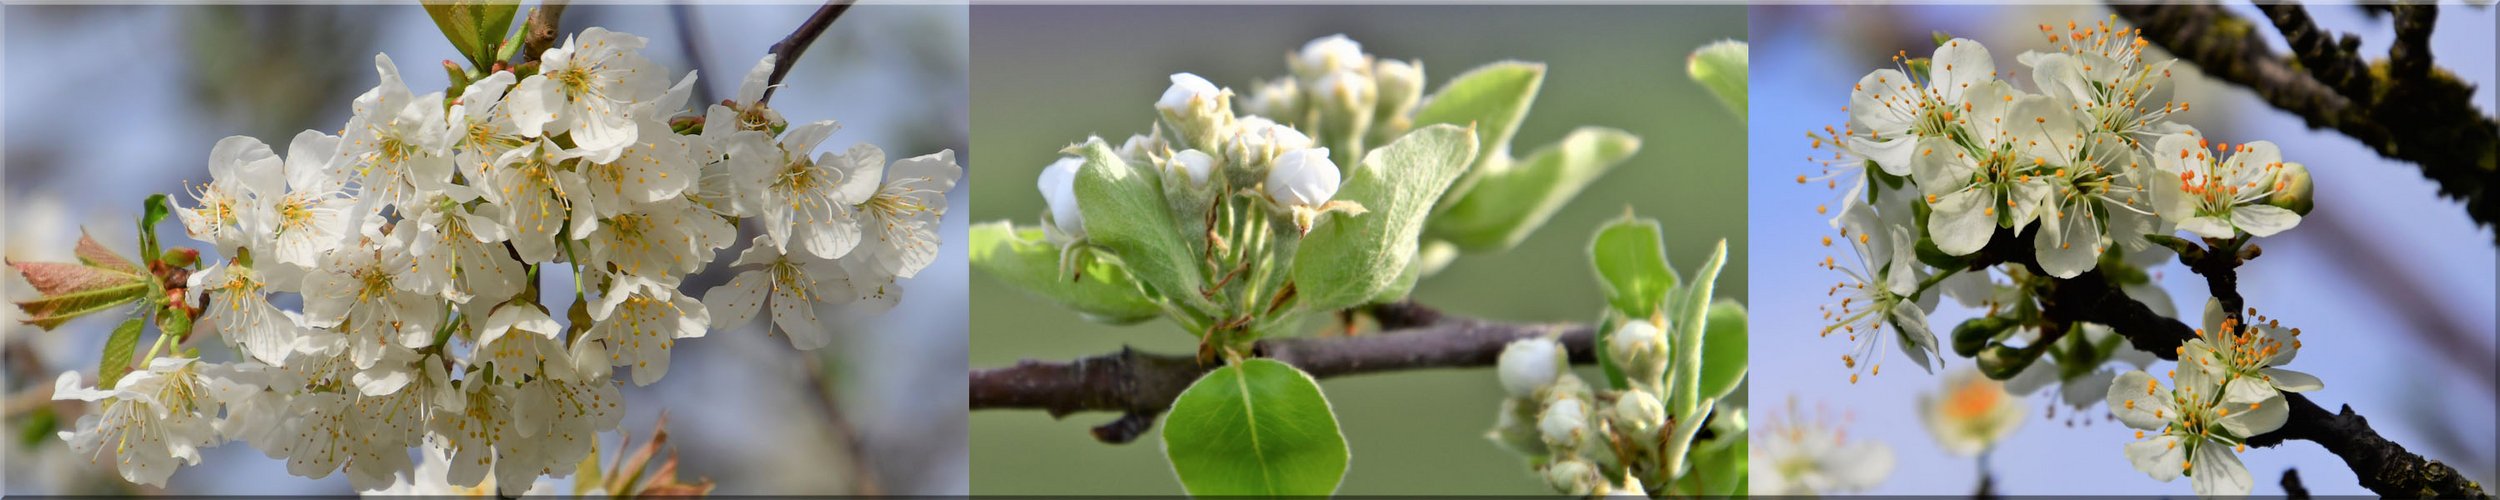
(107, 104)
(2393, 284)
(1049, 76)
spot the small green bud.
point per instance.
(2002, 362)
(1564, 423)
(1198, 110)
(1975, 334)
(1573, 476)
(2294, 190)
(1639, 414)
(180, 257)
(1639, 348)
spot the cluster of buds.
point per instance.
(1584, 440)
(418, 239)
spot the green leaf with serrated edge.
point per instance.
(1102, 291)
(1721, 67)
(95, 254)
(1125, 212)
(118, 349)
(51, 311)
(1506, 205)
(1258, 428)
(1630, 256)
(156, 208)
(1494, 98)
(1691, 312)
(473, 27)
(1723, 345)
(1347, 258)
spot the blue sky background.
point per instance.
(2360, 341)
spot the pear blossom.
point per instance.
(1189, 94)
(1800, 456)
(641, 320)
(791, 281)
(902, 212)
(2195, 430)
(663, 240)
(152, 419)
(482, 129)
(1879, 293)
(2102, 69)
(801, 200)
(2245, 356)
(659, 167)
(1973, 413)
(238, 307)
(1194, 165)
(225, 212)
(368, 293)
(1329, 54)
(396, 146)
(2219, 192)
(459, 255)
(312, 214)
(1998, 183)
(586, 89)
(1303, 179)
(745, 112)
(1893, 116)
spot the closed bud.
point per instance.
(1530, 364)
(2293, 189)
(1573, 476)
(1401, 86)
(180, 257)
(1195, 108)
(1345, 100)
(1195, 165)
(1303, 178)
(1564, 423)
(1326, 55)
(1515, 428)
(2002, 362)
(1255, 144)
(1639, 413)
(1279, 97)
(1144, 149)
(1058, 186)
(1640, 350)
(1975, 334)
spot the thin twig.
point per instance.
(790, 48)
(863, 472)
(1142, 385)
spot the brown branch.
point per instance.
(539, 32)
(1142, 385)
(2383, 466)
(791, 47)
(2413, 112)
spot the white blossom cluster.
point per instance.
(1945, 154)
(418, 239)
(1573, 430)
(2227, 388)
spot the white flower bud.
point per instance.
(1328, 54)
(1303, 178)
(1279, 97)
(1139, 147)
(1401, 85)
(1058, 186)
(1345, 91)
(1194, 163)
(1530, 364)
(1639, 413)
(1639, 349)
(1572, 476)
(1565, 423)
(1514, 428)
(1188, 94)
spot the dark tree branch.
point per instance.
(2383, 466)
(791, 47)
(2414, 112)
(1142, 385)
(2292, 489)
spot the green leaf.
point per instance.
(473, 27)
(1722, 67)
(155, 209)
(1719, 465)
(52, 310)
(1507, 204)
(38, 427)
(172, 321)
(1259, 428)
(1493, 98)
(1691, 311)
(1349, 259)
(118, 349)
(1606, 323)
(1102, 291)
(1723, 344)
(1125, 212)
(1630, 256)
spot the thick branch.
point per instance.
(791, 47)
(2383, 466)
(2413, 112)
(1142, 385)
(539, 31)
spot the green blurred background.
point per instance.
(1051, 75)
